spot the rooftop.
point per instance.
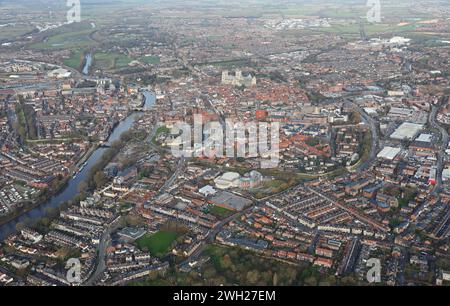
(389, 153)
(407, 131)
(424, 138)
(228, 199)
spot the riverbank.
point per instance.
(33, 205)
(74, 170)
(70, 189)
(18, 213)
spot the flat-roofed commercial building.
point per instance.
(407, 131)
(389, 153)
(230, 201)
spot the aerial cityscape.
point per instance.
(224, 143)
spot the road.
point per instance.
(180, 166)
(212, 234)
(173, 178)
(441, 153)
(366, 164)
(209, 239)
(101, 258)
(106, 236)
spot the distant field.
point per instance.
(150, 59)
(111, 60)
(9, 32)
(157, 244)
(229, 63)
(372, 29)
(68, 40)
(341, 9)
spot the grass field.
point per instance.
(69, 40)
(228, 63)
(371, 29)
(75, 60)
(150, 59)
(111, 60)
(159, 131)
(10, 32)
(157, 244)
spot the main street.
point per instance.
(443, 147)
(375, 141)
(180, 166)
(101, 256)
(106, 236)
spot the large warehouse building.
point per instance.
(407, 131)
(389, 153)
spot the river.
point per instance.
(71, 189)
(88, 63)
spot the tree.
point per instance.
(20, 226)
(349, 280)
(55, 185)
(100, 179)
(311, 281)
(51, 212)
(210, 273)
(226, 262)
(275, 279)
(45, 222)
(83, 187)
(252, 277)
